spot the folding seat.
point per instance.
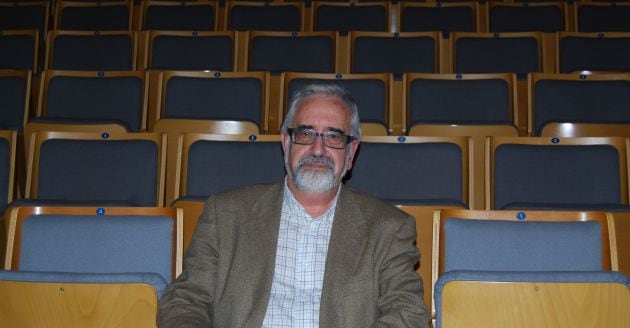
(229, 96)
(186, 50)
(25, 15)
(525, 17)
(313, 52)
(439, 16)
(15, 90)
(473, 105)
(94, 97)
(344, 17)
(20, 50)
(93, 16)
(516, 52)
(602, 17)
(527, 268)
(589, 173)
(396, 53)
(179, 15)
(87, 266)
(91, 50)
(210, 163)
(598, 52)
(95, 169)
(372, 92)
(579, 105)
(264, 16)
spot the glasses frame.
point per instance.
(324, 135)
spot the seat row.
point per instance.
(318, 52)
(300, 16)
(121, 259)
(417, 105)
(418, 174)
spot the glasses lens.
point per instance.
(334, 140)
(302, 136)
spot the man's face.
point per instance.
(316, 167)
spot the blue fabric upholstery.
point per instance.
(149, 278)
(518, 55)
(18, 52)
(95, 18)
(192, 52)
(550, 174)
(13, 95)
(97, 244)
(243, 17)
(239, 99)
(311, 54)
(482, 101)
(351, 18)
(609, 18)
(396, 55)
(583, 101)
(25, 16)
(409, 173)
(526, 18)
(215, 166)
(96, 99)
(93, 52)
(187, 18)
(577, 53)
(370, 95)
(611, 277)
(102, 171)
(439, 18)
(522, 245)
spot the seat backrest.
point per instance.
(94, 97)
(465, 99)
(214, 163)
(413, 170)
(556, 173)
(396, 53)
(601, 51)
(96, 168)
(578, 98)
(25, 15)
(344, 17)
(8, 148)
(96, 240)
(87, 50)
(264, 16)
(93, 16)
(179, 15)
(438, 16)
(602, 17)
(372, 92)
(313, 52)
(186, 50)
(524, 17)
(516, 52)
(20, 50)
(242, 96)
(15, 90)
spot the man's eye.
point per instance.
(334, 136)
(306, 133)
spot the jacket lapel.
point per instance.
(347, 240)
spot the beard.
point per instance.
(311, 180)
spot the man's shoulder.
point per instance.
(372, 207)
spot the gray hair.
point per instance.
(324, 89)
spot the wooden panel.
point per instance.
(37, 304)
(485, 304)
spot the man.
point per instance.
(307, 252)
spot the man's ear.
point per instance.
(284, 137)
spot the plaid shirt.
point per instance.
(298, 277)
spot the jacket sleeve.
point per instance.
(400, 302)
(188, 300)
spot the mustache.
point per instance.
(312, 159)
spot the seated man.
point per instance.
(306, 252)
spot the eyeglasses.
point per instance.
(332, 139)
